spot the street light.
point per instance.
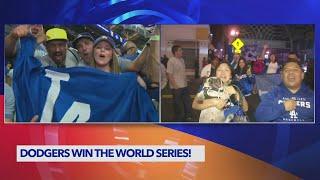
(234, 32)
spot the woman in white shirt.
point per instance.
(273, 65)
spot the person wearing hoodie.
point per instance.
(291, 101)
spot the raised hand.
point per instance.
(20, 31)
(290, 105)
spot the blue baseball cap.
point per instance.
(85, 35)
(104, 38)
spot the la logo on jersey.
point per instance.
(293, 114)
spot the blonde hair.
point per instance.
(115, 66)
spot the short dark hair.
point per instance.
(292, 60)
(292, 52)
(175, 48)
(275, 57)
(214, 58)
(241, 57)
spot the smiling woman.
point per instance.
(220, 100)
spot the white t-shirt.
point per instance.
(272, 68)
(164, 79)
(177, 68)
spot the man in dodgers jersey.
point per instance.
(291, 101)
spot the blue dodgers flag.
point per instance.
(246, 84)
(267, 82)
(78, 94)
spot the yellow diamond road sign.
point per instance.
(238, 44)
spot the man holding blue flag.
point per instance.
(57, 48)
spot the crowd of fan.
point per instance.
(53, 49)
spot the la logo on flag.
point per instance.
(76, 94)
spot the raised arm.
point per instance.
(20, 31)
(265, 47)
(10, 43)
